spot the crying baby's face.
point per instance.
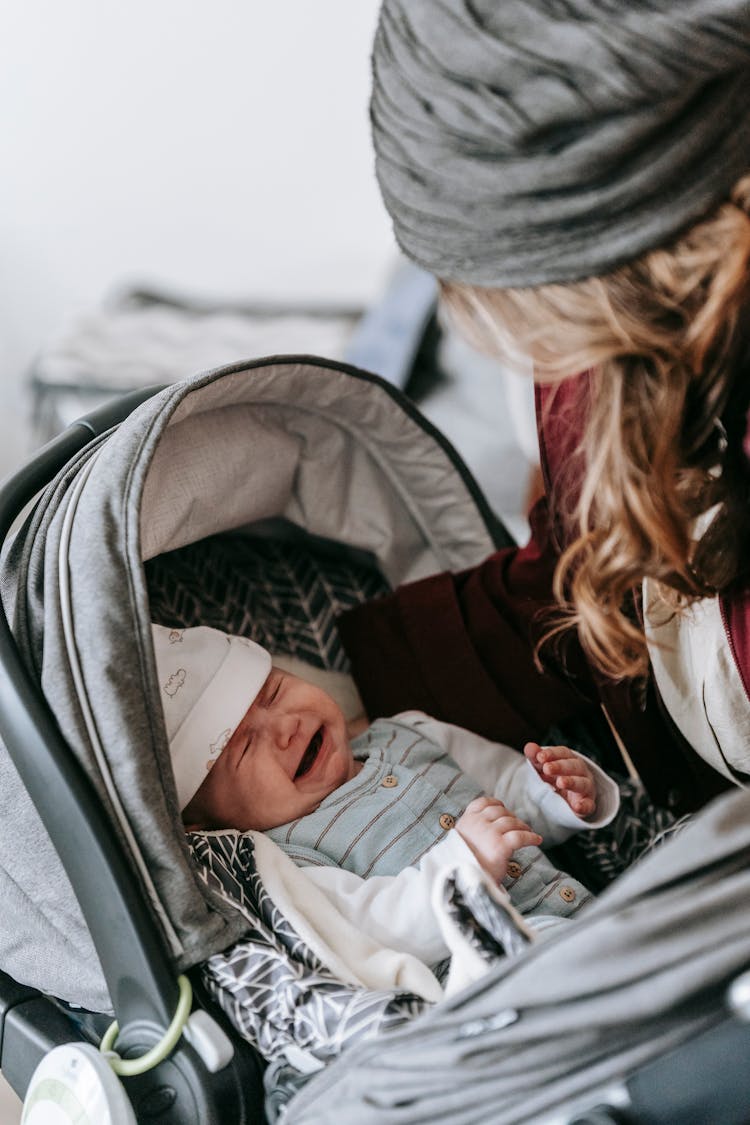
(289, 752)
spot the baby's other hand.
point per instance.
(567, 773)
(493, 833)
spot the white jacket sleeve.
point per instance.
(505, 773)
(397, 910)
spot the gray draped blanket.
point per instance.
(645, 968)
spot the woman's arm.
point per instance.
(461, 646)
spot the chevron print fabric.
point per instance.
(285, 596)
(274, 989)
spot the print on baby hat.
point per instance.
(207, 681)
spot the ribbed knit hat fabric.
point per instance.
(520, 142)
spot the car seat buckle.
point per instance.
(209, 1040)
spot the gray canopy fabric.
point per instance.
(325, 448)
(644, 969)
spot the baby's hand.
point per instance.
(493, 833)
(568, 774)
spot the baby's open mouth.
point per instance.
(309, 756)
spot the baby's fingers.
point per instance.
(555, 753)
(581, 806)
(570, 775)
(511, 826)
(564, 765)
(520, 838)
(582, 785)
(532, 751)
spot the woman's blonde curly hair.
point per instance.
(666, 341)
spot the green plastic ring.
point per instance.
(128, 1068)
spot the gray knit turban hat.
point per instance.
(528, 141)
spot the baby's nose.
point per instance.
(286, 728)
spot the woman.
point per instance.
(576, 174)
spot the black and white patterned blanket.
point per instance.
(272, 986)
(280, 995)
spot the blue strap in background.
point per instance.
(387, 338)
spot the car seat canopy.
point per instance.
(335, 453)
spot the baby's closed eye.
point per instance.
(271, 689)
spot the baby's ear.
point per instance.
(193, 816)
(191, 820)
(357, 726)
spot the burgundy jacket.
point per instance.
(461, 646)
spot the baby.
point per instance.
(374, 812)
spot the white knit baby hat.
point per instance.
(207, 681)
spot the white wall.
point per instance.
(217, 147)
